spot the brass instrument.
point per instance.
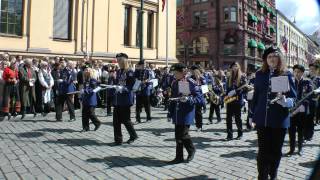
(213, 97)
(229, 99)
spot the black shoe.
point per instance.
(23, 116)
(34, 115)
(14, 114)
(44, 114)
(239, 137)
(85, 129)
(9, 116)
(190, 156)
(176, 161)
(117, 143)
(290, 153)
(73, 119)
(131, 140)
(97, 127)
(149, 119)
(109, 114)
(228, 139)
(59, 120)
(219, 121)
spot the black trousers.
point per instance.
(308, 130)
(214, 108)
(183, 139)
(121, 114)
(88, 112)
(250, 114)
(198, 116)
(296, 125)
(270, 142)
(234, 109)
(143, 101)
(109, 104)
(60, 104)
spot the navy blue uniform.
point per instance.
(218, 90)
(166, 82)
(110, 92)
(66, 85)
(122, 101)
(198, 118)
(89, 102)
(234, 108)
(183, 114)
(144, 92)
(298, 121)
(271, 121)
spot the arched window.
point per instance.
(200, 45)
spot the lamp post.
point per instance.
(141, 30)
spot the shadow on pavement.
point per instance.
(200, 177)
(77, 142)
(157, 132)
(30, 134)
(309, 164)
(121, 161)
(245, 154)
(60, 131)
(200, 142)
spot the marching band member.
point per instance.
(123, 100)
(309, 128)
(65, 87)
(199, 80)
(299, 116)
(11, 97)
(47, 82)
(27, 77)
(167, 80)
(89, 100)
(182, 112)
(235, 88)
(143, 94)
(218, 90)
(251, 78)
(110, 92)
(271, 119)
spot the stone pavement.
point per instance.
(43, 149)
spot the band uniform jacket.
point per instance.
(144, 75)
(183, 113)
(240, 93)
(304, 87)
(126, 79)
(266, 114)
(89, 97)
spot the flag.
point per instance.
(284, 43)
(163, 4)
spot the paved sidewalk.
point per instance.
(45, 149)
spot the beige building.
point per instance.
(292, 41)
(74, 28)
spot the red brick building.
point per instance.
(219, 32)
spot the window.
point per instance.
(138, 28)
(204, 18)
(230, 14)
(196, 18)
(11, 17)
(150, 30)
(233, 14)
(62, 19)
(200, 45)
(199, 1)
(127, 14)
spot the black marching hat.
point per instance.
(178, 67)
(272, 49)
(299, 66)
(122, 55)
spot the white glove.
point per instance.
(119, 88)
(184, 99)
(283, 101)
(60, 80)
(302, 108)
(232, 93)
(97, 89)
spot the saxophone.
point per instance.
(213, 97)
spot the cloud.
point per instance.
(306, 13)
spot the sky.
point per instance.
(306, 13)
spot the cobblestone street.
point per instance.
(45, 149)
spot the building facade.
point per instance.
(74, 28)
(215, 33)
(292, 41)
(313, 50)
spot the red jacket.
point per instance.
(9, 75)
